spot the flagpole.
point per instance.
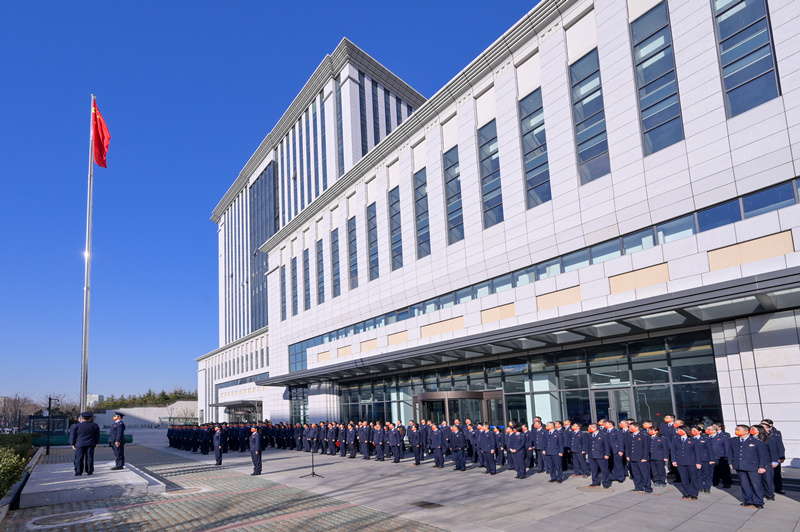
(88, 259)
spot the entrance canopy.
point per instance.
(763, 293)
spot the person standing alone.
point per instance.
(116, 440)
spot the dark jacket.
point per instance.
(87, 434)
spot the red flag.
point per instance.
(101, 136)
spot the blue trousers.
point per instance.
(554, 465)
(519, 461)
(460, 459)
(752, 487)
(579, 463)
(256, 462)
(658, 472)
(689, 480)
(438, 457)
(488, 460)
(600, 466)
(84, 459)
(641, 476)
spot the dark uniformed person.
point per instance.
(255, 450)
(769, 475)
(219, 444)
(516, 453)
(617, 441)
(580, 448)
(437, 444)
(395, 439)
(686, 457)
(720, 449)
(772, 432)
(378, 436)
(342, 440)
(539, 438)
(351, 440)
(750, 458)
(659, 456)
(116, 439)
(84, 440)
(415, 441)
(638, 453)
(488, 446)
(553, 452)
(599, 452)
(458, 444)
(707, 462)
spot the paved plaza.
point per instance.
(368, 495)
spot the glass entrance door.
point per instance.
(441, 407)
(613, 404)
(433, 411)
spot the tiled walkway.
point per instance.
(212, 498)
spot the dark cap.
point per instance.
(119, 414)
(86, 415)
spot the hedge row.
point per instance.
(15, 449)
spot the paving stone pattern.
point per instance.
(226, 500)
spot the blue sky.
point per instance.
(188, 90)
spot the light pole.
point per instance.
(49, 414)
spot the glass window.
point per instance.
(687, 345)
(421, 213)
(452, 185)
(572, 369)
(546, 405)
(745, 47)
(676, 229)
(694, 403)
(606, 251)
(372, 241)
(543, 374)
(516, 378)
(431, 305)
(720, 215)
(608, 366)
(464, 295)
(476, 377)
(590, 126)
(526, 276)
(693, 369)
(768, 200)
(548, 269)
(490, 175)
(519, 409)
(447, 300)
(573, 261)
(534, 144)
(502, 283)
(653, 403)
(482, 289)
(638, 241)
(576, 406)
(352, 248)
(395, 228)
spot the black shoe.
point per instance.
(558, 481)
(254, 474)
(117, 468)
(551, 480)
(77, 474)
(728, 487)
(769, 498)
(593, 485)
(606, 487)
(776, 491)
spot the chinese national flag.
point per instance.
(101, 136)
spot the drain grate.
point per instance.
(426, 504)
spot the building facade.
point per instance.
(597, 217)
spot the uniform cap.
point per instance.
(86, 415)
(119, 414)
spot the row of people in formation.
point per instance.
(699, 456)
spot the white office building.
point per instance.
(597, 217)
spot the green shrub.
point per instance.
(11, 468)
(19, 443)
